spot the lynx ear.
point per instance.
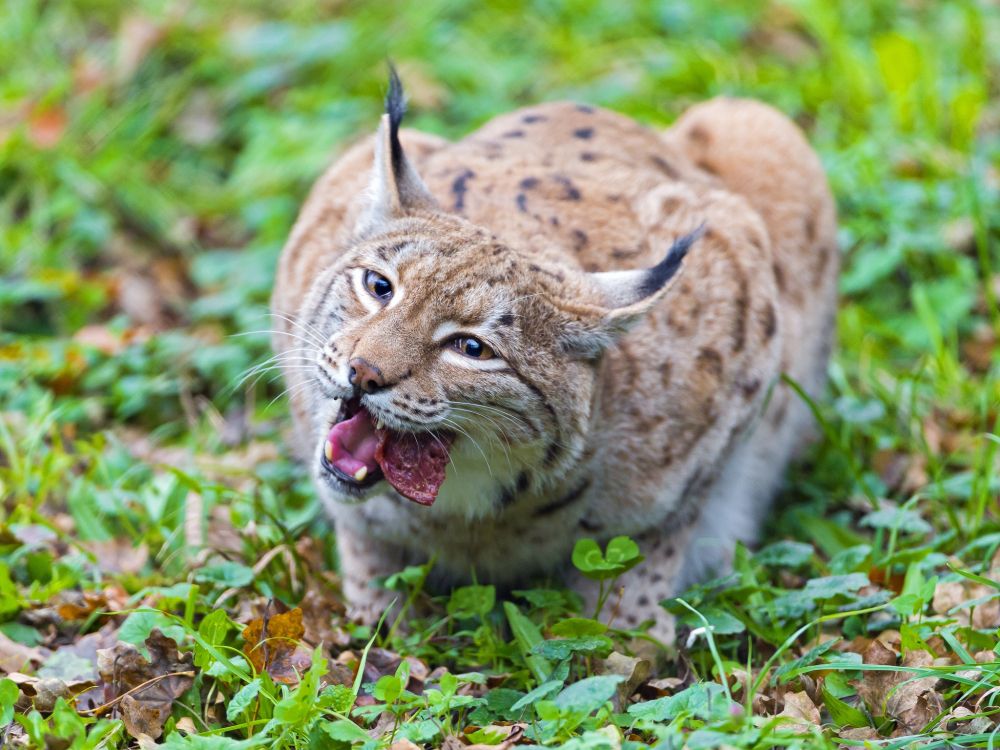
(395, 188)
(624, 297)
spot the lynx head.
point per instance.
(456, 368)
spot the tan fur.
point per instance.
(668, 424)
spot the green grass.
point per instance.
(152, 160)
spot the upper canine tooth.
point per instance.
(360, 474)
(328, 450)
(379, 424)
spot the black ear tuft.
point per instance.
(395, 107)
(663, 271)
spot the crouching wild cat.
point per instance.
(564, 325)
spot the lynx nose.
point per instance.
(365, 375)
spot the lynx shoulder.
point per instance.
(564, 325)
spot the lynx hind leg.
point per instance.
(362, 562)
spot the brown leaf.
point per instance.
(914, 702)
(143, 717)
(16, 657)
(947, 595)
(977, 351)
(800, 709)
(634, 670)
(46, 125)
(272, 645)
(319, 613)
(874, 686)
(137, 36)
(118, 555)
(45, 691)
(147, 688)
(80, 605)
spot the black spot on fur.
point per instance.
(699, 134)
(589, 526)
(588, 156)
(706, 167)
(750, 387)
(522, 202)
(528, 119)
(584, 133)
(575, 494)
(579, 239)
(514, 134)
(770, 321)
(779, 276)
(664, 166)
(528, 183)
(460, 186)
(507, 319)
(585, 108)
(710, 361)
(510, 494)
(570, 191)
(621, 253)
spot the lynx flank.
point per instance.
(564, 325)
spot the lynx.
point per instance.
(564, 325)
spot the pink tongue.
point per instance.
(414, 464)
(352, 444)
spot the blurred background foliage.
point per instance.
(153, 156)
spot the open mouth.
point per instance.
(360, 452)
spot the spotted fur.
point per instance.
(644, 292)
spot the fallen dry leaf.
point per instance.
(46, 125)
(634, 670)
(118, 555)
(947, 595)
(319, 616)
(914, 703)
(800, 709)
(147, 689)
(137, 36)
(911, 701)
(43, 692)
(16, 657)
(272, 644)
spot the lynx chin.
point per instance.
(564, 325)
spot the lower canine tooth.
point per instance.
(360, 474)
(328, 450)
(379, 425)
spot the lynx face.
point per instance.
(450, 354)
(430, 370)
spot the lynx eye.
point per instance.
(472, 347)
(378, 286)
